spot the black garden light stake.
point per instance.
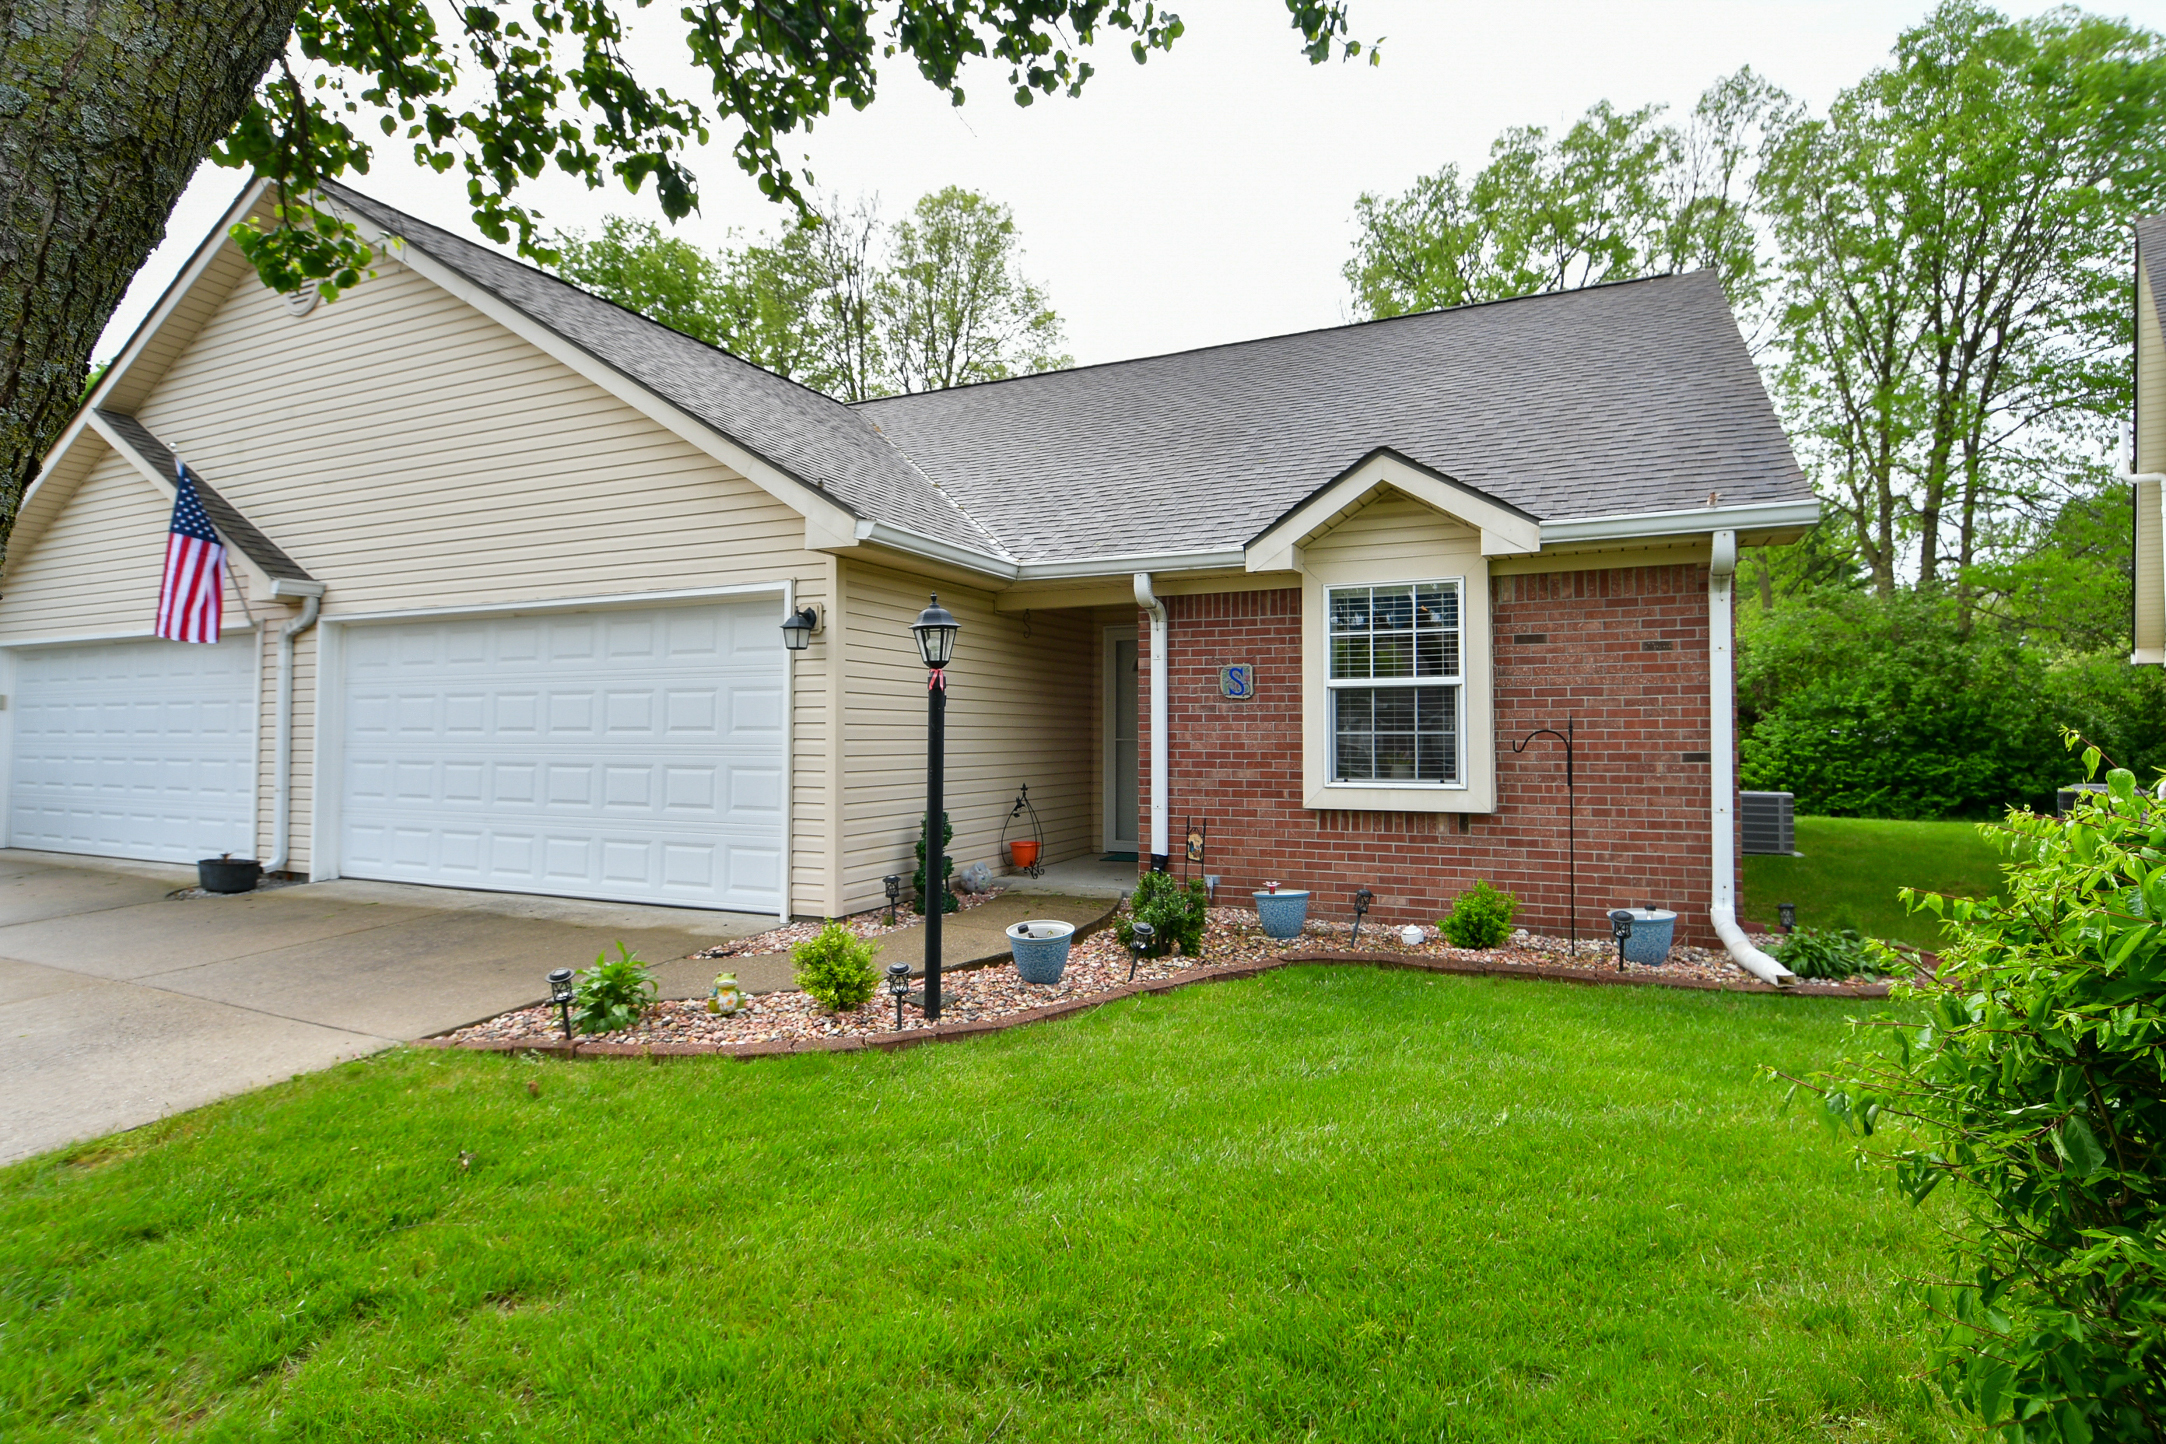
(935, 631)
(560, 993)
(1362, 898)
(898, 983)
(1620, 928)
(893, 884)
(1139, 943)
(1788, 913)
(1571, 815)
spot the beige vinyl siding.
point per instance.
(411, 454)
(2149, 620)
(1019, 711)
(2150, 376)
(1391, 526)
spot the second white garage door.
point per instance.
(634, 756)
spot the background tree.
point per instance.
(843, 303)
(108, 109)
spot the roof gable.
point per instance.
(1504, 529)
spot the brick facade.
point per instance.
(1624, 651)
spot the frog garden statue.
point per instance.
(726, 997)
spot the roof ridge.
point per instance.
(1345, 326)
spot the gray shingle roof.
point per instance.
(235, 530)
(808, 436)
(1636, 397)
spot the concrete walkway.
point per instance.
(119, 1005)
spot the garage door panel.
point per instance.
(651, 774)
(140, 749)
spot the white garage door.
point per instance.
(134, 749)
(635, 756)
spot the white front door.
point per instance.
(1121, 733)
(635, 756)
(141, 749)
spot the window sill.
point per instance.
(1398, 797)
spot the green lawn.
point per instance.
(1853, 866)
(1329, 1203)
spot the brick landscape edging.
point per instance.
(1228, 972)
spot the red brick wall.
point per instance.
(1625, 652)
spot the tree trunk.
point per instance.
(106, 108)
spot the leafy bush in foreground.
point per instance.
(612, 994)
(1481, 917)
(2035, 1093)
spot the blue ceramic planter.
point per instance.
(1652, 928)
(1040, 948)
(1283, 912)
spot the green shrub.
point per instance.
(1831, 954)
(835, 968)
(1481, 917)
(948, 901)
(612, 994)
(2032, 1092)
(1179, 911)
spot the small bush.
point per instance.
(1177, 910)
(612, 994)
(1812, 953)
(1481, 917)
(835, 968)
(948, 901)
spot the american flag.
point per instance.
(191, 599)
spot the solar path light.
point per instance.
(1620, 928)
(1362, 898)
(560, 993)
(1140, 937)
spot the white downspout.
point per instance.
(311, 594)
(1721, 749)
(1157, 609)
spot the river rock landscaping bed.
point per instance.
(1098, 967)
(872, 924)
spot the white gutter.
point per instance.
(1157, 609)
(282, 782)
(1721, 750)
(1749, 516)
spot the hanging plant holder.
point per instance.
(1027, 848)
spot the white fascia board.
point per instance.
(1756, 516)
(257, 576)
(826, 520)
(902, 539)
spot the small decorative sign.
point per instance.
(1238, 681)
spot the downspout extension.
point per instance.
(1157, 609)
(1722, 748)
(311, 594)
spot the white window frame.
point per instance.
(1456, 682)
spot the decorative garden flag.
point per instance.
(191, 600)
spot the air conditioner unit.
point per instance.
(1768, 826)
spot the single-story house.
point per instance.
(2146, 468)
(509, 565)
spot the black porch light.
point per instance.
(935, 631)
(1362, 898)
(1788, 913)
(1140, 936)
(798, 628)
(1620, 928)
(898, 983)
(893, 884)
(560, 994)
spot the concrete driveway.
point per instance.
(120, 1004)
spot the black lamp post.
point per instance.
(1362, 898)
(1788, 913)
(560, 993)
(935, 631)
(893, 884)
(1620, 928)
(898, 983)
(1140, 936)
(1571, 819)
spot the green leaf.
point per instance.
(2079, 1146)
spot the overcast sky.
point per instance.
(1208, 196)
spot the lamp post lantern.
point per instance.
(935, 631)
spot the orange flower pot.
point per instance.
(1023, 852)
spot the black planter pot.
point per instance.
(228, 874)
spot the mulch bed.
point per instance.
(870, 924)
(988, 999)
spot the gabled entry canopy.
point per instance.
(1505, 529)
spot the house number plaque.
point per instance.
(1237, 681)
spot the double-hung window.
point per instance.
(1395, 685)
